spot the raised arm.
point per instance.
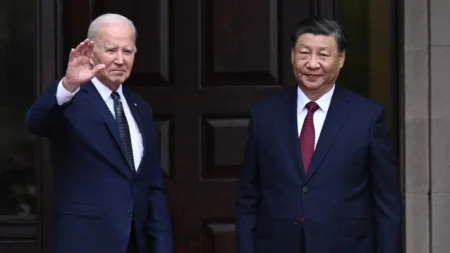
(47, 115)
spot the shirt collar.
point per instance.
(324, 101)
(104, 91)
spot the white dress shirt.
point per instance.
(320, 114)
(64, 96)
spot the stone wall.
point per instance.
(426, 125)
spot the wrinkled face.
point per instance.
(316, 62)
(115, 47)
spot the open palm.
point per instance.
(79, 70)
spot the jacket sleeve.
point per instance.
(46, 116)
(159, 223)
(249, 192)
(385, 183)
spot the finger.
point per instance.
(76, 52)
(84, 47)
(71, 55)
(97, 68)
(80, 48)
(87, 48)
(90, 49)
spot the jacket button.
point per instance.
(305, 189)
(297, 222)
(130, 213)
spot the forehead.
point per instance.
(310, 40)
(121, 34)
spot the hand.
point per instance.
(79, 70)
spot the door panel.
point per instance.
(19, 247)
(201, 64)
(18, 159)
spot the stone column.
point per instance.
(416, 126)
(440, 124)
(427, 125)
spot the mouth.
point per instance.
(117, 72)
(312, 77)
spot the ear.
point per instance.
(341, 59)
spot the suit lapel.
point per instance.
(135, 109)
(97, 101)
(290, 133)
(100, 105)
(336, 116)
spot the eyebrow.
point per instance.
(115, 47)
(320, 48)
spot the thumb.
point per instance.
(97, 68)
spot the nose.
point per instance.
(119, 58)
(313, 63)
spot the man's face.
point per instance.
(316, 62)
(114, 46)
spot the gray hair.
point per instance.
(109, 18)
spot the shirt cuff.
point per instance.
(62, 95)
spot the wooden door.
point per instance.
(27, 59)
(201, 64)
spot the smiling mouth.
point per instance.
(312, 76)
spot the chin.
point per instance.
(313, 86)
(117, 81)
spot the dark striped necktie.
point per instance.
(124, 130)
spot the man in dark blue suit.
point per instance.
(319, 173)
(109, 194)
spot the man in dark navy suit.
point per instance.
(319, 173)
(109, 192)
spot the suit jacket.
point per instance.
(350, 198)
(96, 195)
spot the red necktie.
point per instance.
(307, 136)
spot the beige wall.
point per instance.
(427, 125)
